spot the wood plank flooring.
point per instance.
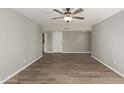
(66, 69)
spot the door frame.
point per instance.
(44, 42)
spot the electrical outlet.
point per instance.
(115, 62)
(24, 60)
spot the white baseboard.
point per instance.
(73, 52)
(77, 52)
(114, 70)
(3, 81)
(48, 52)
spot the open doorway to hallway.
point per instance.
(43, 41)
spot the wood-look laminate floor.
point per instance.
(66, 69)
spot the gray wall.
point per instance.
(108, 41)
(74, 41)
(19, 39)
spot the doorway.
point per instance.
(57, 42)
(43, 41)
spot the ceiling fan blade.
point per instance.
(57, 17)
(58, 11)
(81, 18)
(77, 11)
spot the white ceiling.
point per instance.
(43, 16)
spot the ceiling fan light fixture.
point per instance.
(67, 18)
(68, 14)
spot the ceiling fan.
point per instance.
(68, 14)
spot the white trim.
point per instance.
(7, 78)
(119, 73)
(72, 52)
(78, 52)
(48, 52)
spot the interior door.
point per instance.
(57, 41)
